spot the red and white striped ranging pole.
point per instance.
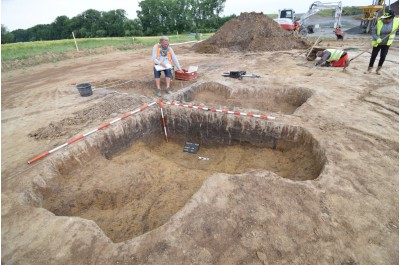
(163, 120)
(219, 110)
(89, 133)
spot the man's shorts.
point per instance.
(157, 74)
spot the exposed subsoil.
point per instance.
(152, 203)
(141, 197)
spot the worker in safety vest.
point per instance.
(163, 56)
(333, 57)
(382, 37)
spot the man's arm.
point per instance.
(175, 59)
(324, 57)
(374, 33)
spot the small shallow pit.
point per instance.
(264, 99)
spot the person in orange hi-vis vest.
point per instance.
(163, 57)
(339, 33)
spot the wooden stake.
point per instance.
(76, 44)
(313, 46)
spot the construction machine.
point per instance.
(288, 21)
(371, 14)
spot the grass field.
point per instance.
(26, 50)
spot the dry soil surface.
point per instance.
(347, 215)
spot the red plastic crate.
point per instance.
(184, 75)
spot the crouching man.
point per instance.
(333, 57)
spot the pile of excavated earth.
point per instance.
(251, 32)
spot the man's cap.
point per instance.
(164, 38)
(388, 14)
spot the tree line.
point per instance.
(154, 17)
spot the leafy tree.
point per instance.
(183, 17)
(206, 12)
(60, 28)
(21, 35)
(150, 14)
(40, 32)
(83, 33)
(113, 22)
(75, 24)
(133, 27)
(101, 33)
(6, 36)
(91, 22)
(169, 16)
(155, 17)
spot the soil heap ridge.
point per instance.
(251, 32)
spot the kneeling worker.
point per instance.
(163, 56)
(333, 57)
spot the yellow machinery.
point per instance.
(371, 14)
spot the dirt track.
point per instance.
(347, 215)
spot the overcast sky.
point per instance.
(23, 14)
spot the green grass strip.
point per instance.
(26, 50)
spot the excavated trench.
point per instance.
(264, 99)
(129, 180)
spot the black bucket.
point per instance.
(85, 89)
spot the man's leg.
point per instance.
(158, 83)
(157, 76)
(384, 52)
(341, 62)
(375, 51)
(168, 80)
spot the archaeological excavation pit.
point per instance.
(264, 99)
(129, 180)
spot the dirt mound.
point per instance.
(251, 32)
